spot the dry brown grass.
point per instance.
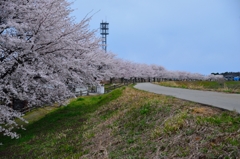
(145, 125)
(205, 111)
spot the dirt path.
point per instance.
(216, 99)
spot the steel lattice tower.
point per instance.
(104, 32)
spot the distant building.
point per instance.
(230, 75)
(236, 78)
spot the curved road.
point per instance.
(216, 99)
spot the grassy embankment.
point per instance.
(223, 86)
(128, 123)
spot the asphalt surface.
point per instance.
(216, 99)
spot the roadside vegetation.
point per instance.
(128, 123)
(220, 86)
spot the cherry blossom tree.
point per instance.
(42, 53)
(215, 77)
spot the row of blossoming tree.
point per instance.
(43, 51)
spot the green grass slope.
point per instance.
(221, 86)
(128, 123)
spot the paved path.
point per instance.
(217, 99)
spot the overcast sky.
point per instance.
(198, 36)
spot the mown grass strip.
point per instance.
(53, 132)
(220, 86)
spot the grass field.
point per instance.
(221, 86)
(128, 123)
